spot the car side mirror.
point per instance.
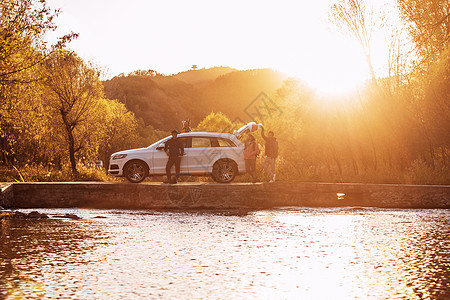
(160, 148)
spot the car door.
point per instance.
(160, 158)
(201, 155)
(229, 149)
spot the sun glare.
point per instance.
(294, 37)
(329, 61)
(338, 71)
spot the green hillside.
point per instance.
(164, 101)
(232, 93)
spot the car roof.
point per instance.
(207, 134)
(202, 134)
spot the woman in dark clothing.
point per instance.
(251, 151)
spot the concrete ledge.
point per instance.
(6, 194)
(222, 196)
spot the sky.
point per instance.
(169, 36)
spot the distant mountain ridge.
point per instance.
(203, 76)
(164, 101)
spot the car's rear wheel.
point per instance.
(135, 171)
(224, 171)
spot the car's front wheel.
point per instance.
(224, 171)
(135, 171)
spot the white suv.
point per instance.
(219, 155)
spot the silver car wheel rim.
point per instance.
(136, 172)
(226, 172)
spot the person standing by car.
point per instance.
(271, 151)
(175, 151)
(251, 151)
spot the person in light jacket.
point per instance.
(251, 151)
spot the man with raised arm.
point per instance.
(271, 151)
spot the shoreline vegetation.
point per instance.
(56, 113)
(420, 176)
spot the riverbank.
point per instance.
(220, 196)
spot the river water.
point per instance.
(288, 253)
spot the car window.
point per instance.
(201, 142)
(184, 140)
(225, 143)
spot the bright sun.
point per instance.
(339, 71)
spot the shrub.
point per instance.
(40, 173)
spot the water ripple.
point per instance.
(286, 253)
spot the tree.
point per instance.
(428, 26)
(429, 30)
(74, 89)
(216, 122)
(119, 129)
(359, 21)
(23, 24)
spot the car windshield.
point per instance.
(160, 141)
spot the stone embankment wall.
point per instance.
(6, 194)
(221, 196)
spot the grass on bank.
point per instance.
(44, 174)
(418, 173)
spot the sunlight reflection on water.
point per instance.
(309, 253)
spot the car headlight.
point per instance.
(119, 156)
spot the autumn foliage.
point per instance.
(57, 116)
